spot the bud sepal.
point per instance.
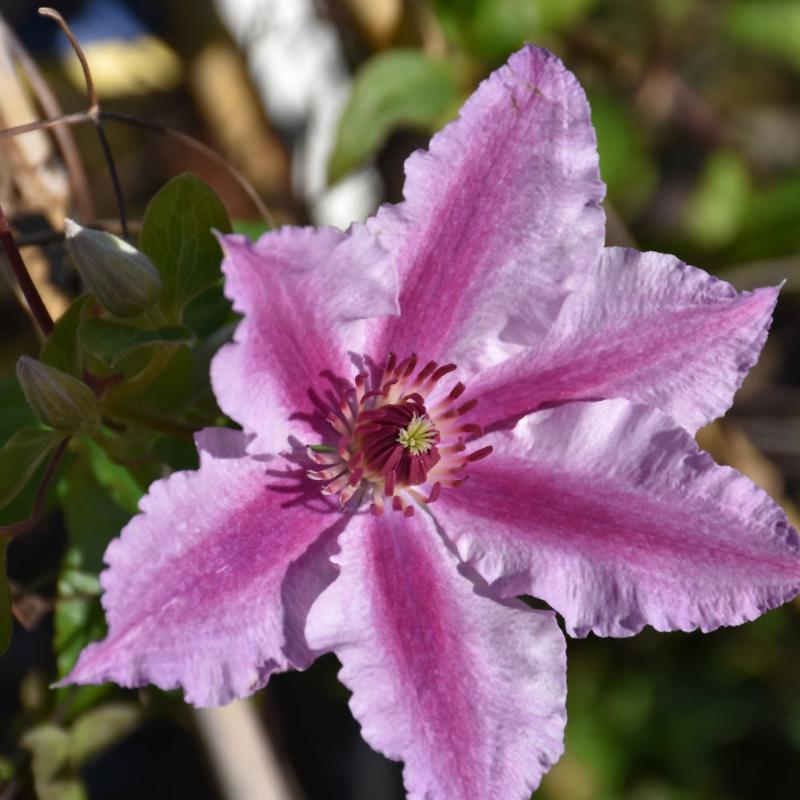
(122, 279)
(58, 400)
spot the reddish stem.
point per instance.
(26, 284)
(41, 493)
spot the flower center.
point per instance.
(402, 441)
(419, 435)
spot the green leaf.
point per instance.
(177, 236)
(168, 390)
(769, 224)
(625, 161)
(6, 617)
(716, 211)
(118, 482)
(16, 414)
(393, 89)
(251, 229)
(111, 341)
(179, 454)
(771, 26)
(57, 755)
(62, 350)
(16, 411)
(492, 29)
(92, 519)
(100, 729)
(49, 746)
(208, 312)
(20, 457)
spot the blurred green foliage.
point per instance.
(771, 27)
(492, 29)
(398, 88)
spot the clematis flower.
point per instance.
(466, 400)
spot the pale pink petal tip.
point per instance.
(467, 691)
(207, 588)
(610, 513)
(644, 326)
(501, 213)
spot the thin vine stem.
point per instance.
(198, 146)
(41, 493)
(46, 11)
(83, 117)
(94, 113)
(74, 118)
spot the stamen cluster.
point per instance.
(400, 443)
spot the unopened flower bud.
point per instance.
(120, 277)
(58, 399)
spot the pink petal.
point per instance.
(499, 212)
(208, 588)
(610, 513)
(644, 326)
(304, 294)
(467, 691)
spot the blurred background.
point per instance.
(318, 103)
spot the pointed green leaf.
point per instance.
(16, 415)
(169, 389)
(62, 349)
(770, 26)
(100, 729)
(111, 341)
(92, 519)
(116, 480)
(714, 214)
(16, 411)
(393, 89)
(49, 746)
(177, 236)
(20, 457)
(6, 617)
(208, 312)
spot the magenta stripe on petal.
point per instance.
(304, 294)
(644, 326)
(499, 213)
(466, 690)
(208, 588)
(609, 512)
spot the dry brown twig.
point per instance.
(79, 183)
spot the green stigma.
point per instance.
(419, 435)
